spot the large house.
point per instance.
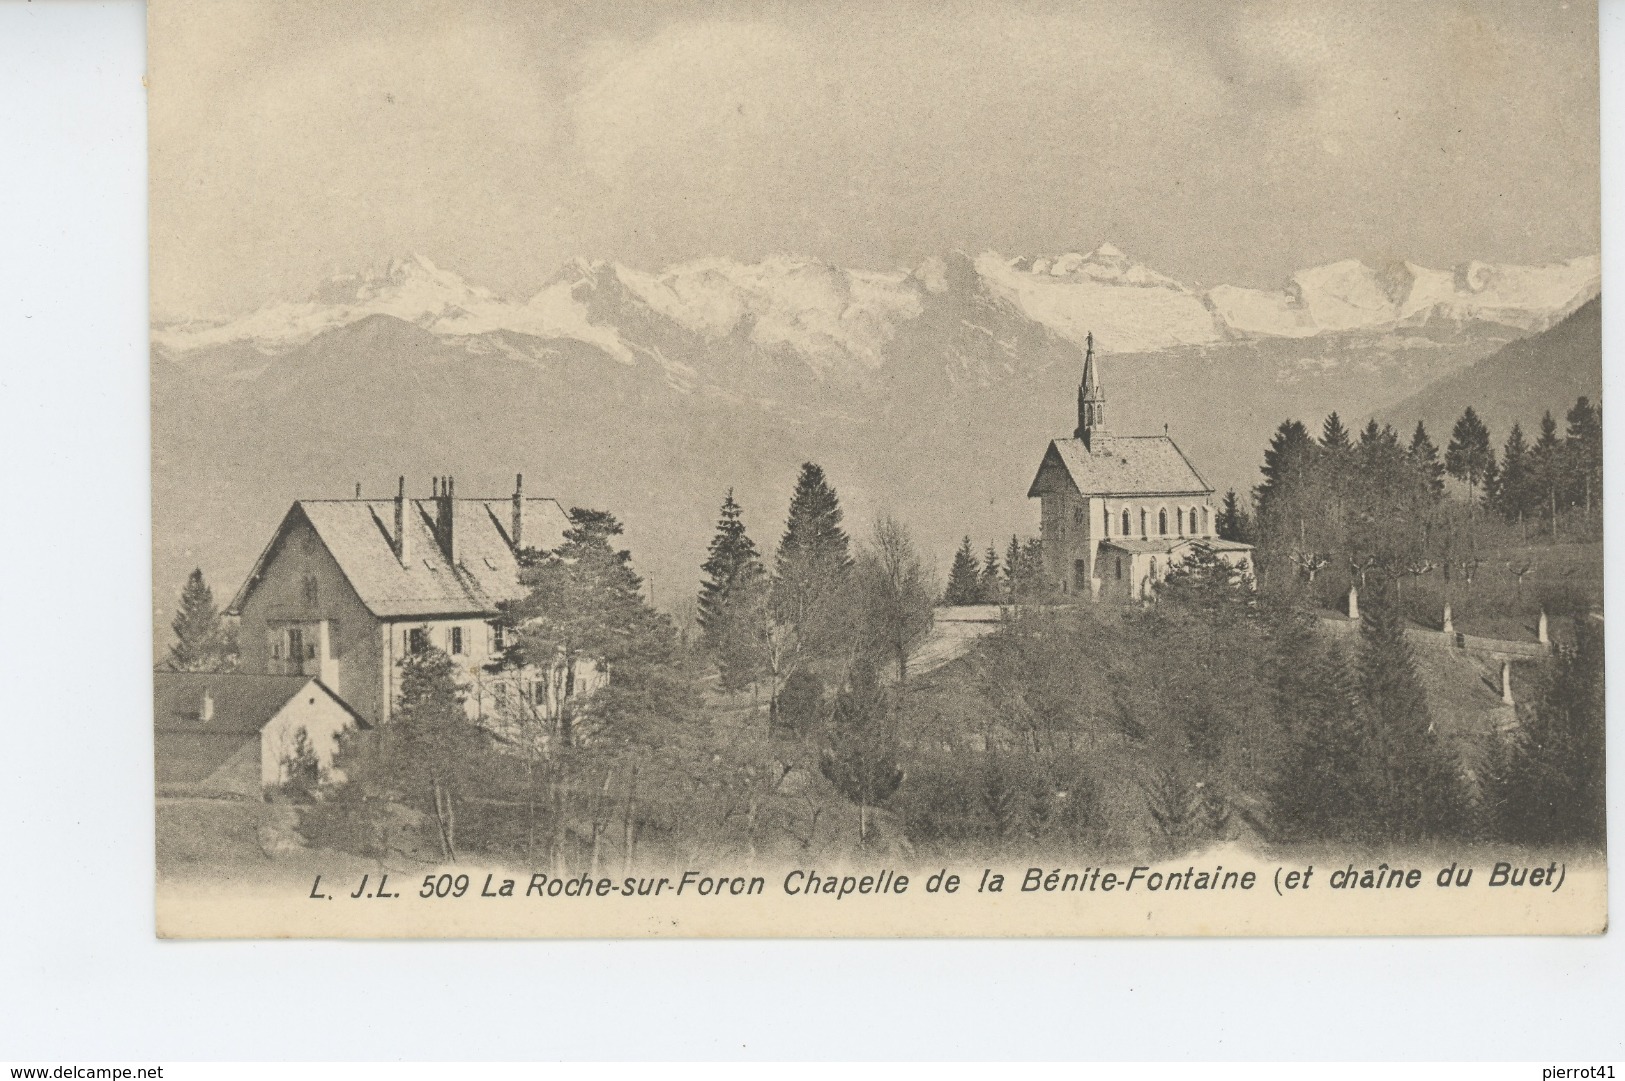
(348, 587)
(1120, 510)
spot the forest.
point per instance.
(788, 719)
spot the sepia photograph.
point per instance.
(901, 470)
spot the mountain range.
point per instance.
(928, 392)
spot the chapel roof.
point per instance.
(1122, 465)
(358, 533)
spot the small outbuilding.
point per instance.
(237, 733)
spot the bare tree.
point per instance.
(895, 594)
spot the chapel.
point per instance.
(1119, 510)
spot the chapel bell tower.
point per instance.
(1091, 399)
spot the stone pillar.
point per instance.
(1543, 631)
(1354, 602)
(1506, 682)
(1449, 624)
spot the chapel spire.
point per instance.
(1091, 399)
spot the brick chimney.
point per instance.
(403, 547)
(446, 518)
(518, 531)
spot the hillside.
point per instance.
(928, 393)
(1519, 382)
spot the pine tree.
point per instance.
(964, 584)
(203, 642)
(1469, 453)
(988, 590)
(1424, 458)
(585, 606)
(812, 565)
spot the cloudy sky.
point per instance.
(1225, 141)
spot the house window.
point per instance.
(499, 638)
(1142, 521)
(276, 645)
(456, 640)
(296, 644)
(309, 586)
(1179, 518)
(417, 640)
(1126, 527)
(1077, 515)
(1119, 568)
(1162, 522)
(1193, 522)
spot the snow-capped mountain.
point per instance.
(839, 323)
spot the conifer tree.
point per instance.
(964, 583)
(988, 590)
(812, 565)
(585, 607)
(203, 642)
(1545, 779)
(1419, 792)
(1469, 453)
(727, 608)
(861, 757)
(1512, 497)
(731, 560)
(1546, 470)
(1424, 458)
(1583, 449)
(1234, 523)
(1333, 436)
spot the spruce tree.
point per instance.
(1545, 779)
(988, 591)
(812, 566)
(1234, 523)
(1420, 793)
(1512, 500)
(1546, 469)
(731, 560)
(1424, 458)
(203, 642)
(727, 607)
(964, 584)
(1469, 452)
(1583, 449)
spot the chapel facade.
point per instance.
(1119, 510)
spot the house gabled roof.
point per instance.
(243, 701)
(1120, 465)
(358, 533)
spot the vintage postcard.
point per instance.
(892, 469)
